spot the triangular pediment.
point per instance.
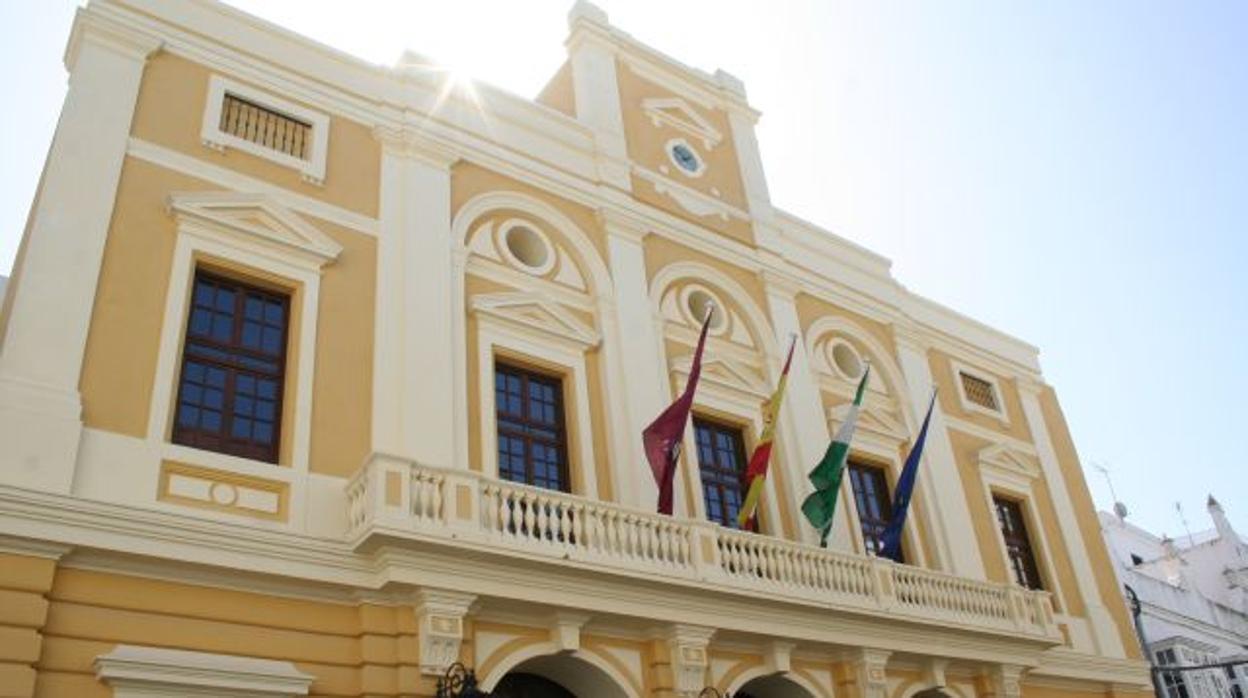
(255, 220)
(873, 419)
(726, 373)
(536, 312)
(1010, 459)
(676, 112)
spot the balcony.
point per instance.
(393, 500)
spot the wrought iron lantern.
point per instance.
(459, 682)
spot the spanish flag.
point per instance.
(756, 473)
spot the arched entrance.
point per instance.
(523, 685)
(557, 676)
(931, 693)
(774, 686)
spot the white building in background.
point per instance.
(1194, 599)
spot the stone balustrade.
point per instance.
(394, 498)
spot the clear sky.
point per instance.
(1073, 173)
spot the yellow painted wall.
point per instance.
(1057, 571)
(469, 180)
(170, 110)
(1089, 526)
(352, 650)
(647, 147)
(558, 94)
(951, 403)
(119, 365)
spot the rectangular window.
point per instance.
(1236, 690)
(233, 369)
(265, 127)
(721, 462)
(980, 392)
(1017, 543)
(532, 440)
(875, 504)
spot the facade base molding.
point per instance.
(150, 672)
(171, 546)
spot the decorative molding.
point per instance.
(534, 311)
(136, 672)
(676, 113)
(223, 491)
(418, 144)
(690, 200)
(1008, 461)
(312, 168)
(440, 618)
(958, 368)
(565, 629)
(230, 179)
(688, 646)
(1001, 681)
(115, 35)
(257, 220)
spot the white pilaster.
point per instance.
(644, 393)
(803, 430)
(954, 534)
(596, 90)
(742, 120)
(414, 405)
(41, 364)
(1104, 630)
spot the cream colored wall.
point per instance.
(170, 111)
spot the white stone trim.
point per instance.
(676, 113)
(200, 236)
(134, 671)
(498, 339)
(312, 169)
(1017, 486)
(969, 405)
(503, 234)
(230, 179)
(1104, 629)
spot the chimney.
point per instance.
(1225, 531)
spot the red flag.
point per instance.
(662, 438)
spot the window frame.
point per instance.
(230, 445)
(1021, 506)
(527, 374)
(883, 473)
(312, 169)
(498, 339)
(290, 254)
(738, 433)
(971, 407)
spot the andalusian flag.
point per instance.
(820, 506)
(756, 473)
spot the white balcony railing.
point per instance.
(394, 498)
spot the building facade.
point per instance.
(1193, 595)
(318, 377)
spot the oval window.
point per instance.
(699, 303)
(685, 157)
(527, 247)
(847, 360)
